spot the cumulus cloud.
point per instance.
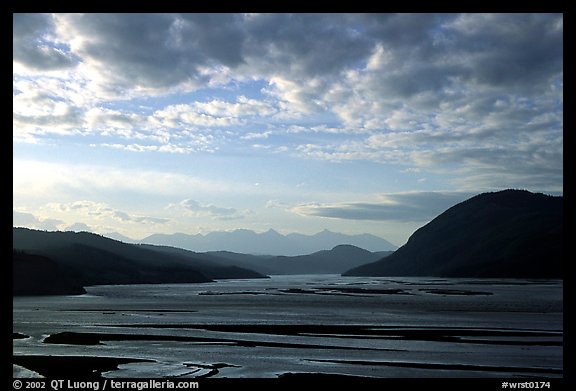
(422, 90)
(243, 107)
(520, 52)
(411, 52)
(152, 51)
(168, 148)
(33, 44)
(102, 211)
(256, 135)
(402, 207)
(84, 215)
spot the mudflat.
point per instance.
(291, 326)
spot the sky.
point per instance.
(356, 123)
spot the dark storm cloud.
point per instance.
(405, 207)
(30, 44)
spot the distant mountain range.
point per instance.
(511, 233)
(267, 243)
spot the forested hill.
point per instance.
(90, 259)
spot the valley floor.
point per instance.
(296, 325)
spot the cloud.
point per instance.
(183, 115)
(28, 220)
(399, 207)
(421, 90)
(102, 211)
(180, 128)
(33, 47)
(256, 135)
(167, 148)
(304, 45)
(149, 220)
(199, 123)
(521, 139)
(99, 216)
(411, 53)
(243, 107)
(216, 212)
(152, 51)
(520, 51)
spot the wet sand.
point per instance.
(71, 366)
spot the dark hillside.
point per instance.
(37, 275)
(91, 259)
(511, 233)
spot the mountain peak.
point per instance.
(270, 242)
